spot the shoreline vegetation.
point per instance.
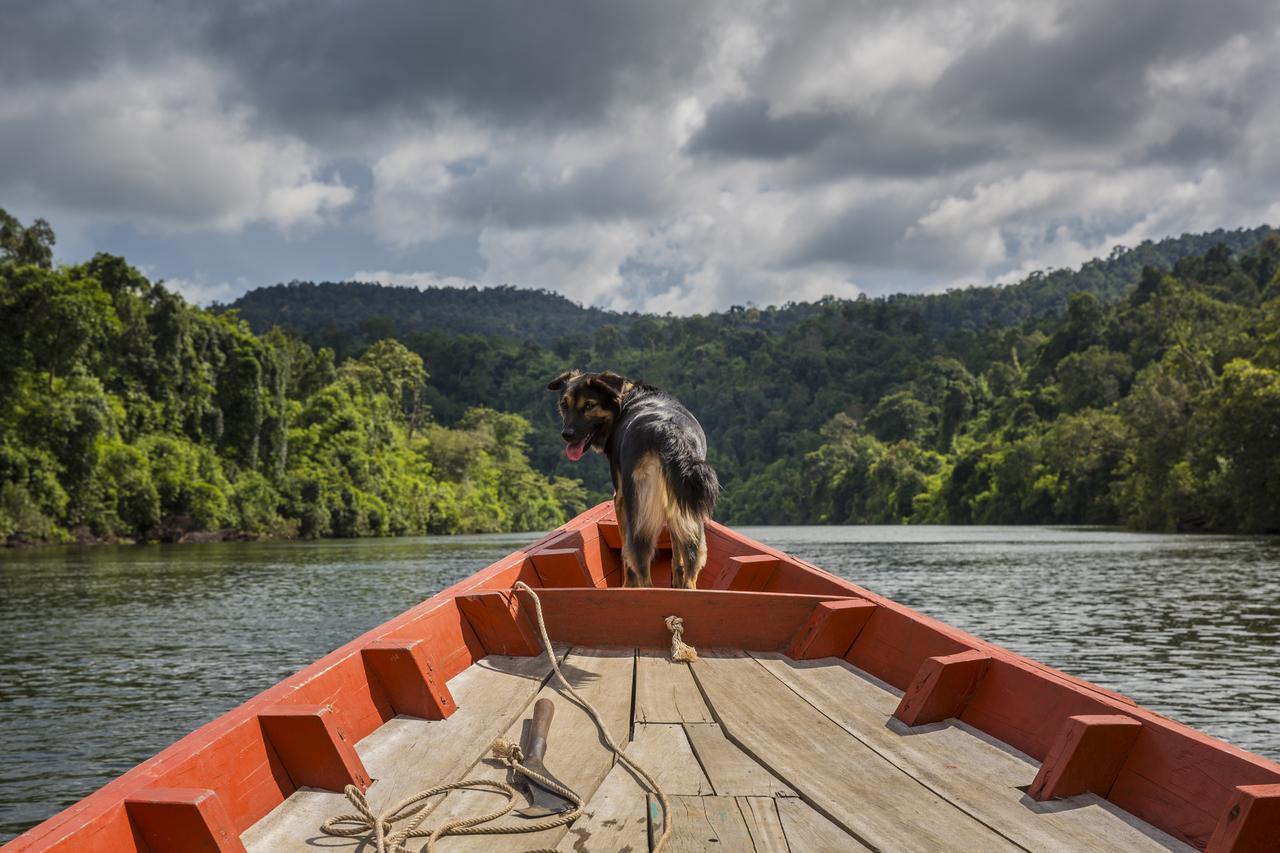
(1140, 391)
(130, 414)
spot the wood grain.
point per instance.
(962, 765)
(837, 774)
(810, 832)
(731, 771)
(666, 691)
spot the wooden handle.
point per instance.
(543, 711)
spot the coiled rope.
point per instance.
(414, 809)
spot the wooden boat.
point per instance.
(819, 716)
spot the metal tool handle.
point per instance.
(543, 711)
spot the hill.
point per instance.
(348, 316)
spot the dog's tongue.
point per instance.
(575, 451)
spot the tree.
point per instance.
(30, 245)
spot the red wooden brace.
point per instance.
(747, 574)
(942, 687)
(1087, 756)
(1251, 823)
(182, 820)
(562, 567)
(830, 629)
(406, 673)
(313, 749)
(500, 622)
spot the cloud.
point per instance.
(658, 156)
(160, 145)
(420, 280)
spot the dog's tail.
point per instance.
(695, 486)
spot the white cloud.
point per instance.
(162, 144)
(204, 292)
(420, 280)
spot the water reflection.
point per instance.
(107, 655)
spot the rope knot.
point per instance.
(507, 751)
(681, 652)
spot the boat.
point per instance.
(817, 715)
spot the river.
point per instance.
(109, 654)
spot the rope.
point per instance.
(595, 715)
(681, 652)
(414, 809)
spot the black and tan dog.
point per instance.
(658, 460)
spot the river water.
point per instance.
(109, 654)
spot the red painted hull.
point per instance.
(207, 788)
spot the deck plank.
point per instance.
(763, 824)
(834, 772)
(666, 692)
(613, 819)
(406, 754)
(808, 831)
(663, 750)
(575, 752)
(702, 823)
(978, 774)
(731, 771)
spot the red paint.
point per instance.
(1087, 756)
(182, 820)
(409, 678)
(316, 752)
(627, 617)
(500, 621)
(750, 573)
(562, 567)
(942, 687)
(830, 629)
(1176, 778)
(1251, 823)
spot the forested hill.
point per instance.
(128, 413)
(1152, 400)
(347, 316)
(930, 408)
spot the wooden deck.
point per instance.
(756, 752)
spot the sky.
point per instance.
(647, 155)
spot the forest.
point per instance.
(1140, 390)
(129, 414)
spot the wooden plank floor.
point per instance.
(755, 752)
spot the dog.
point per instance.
(657, 456)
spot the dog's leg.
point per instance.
(637, 554)
(698, 559)
(620, 512)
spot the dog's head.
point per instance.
(589, 406)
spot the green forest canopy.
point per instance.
(129, 413)
(1035, 402)
(1142, 389)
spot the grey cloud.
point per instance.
(868, 234)
(305, 86)
(749, 129)
(314, 66)
(1088, 80)
(509, 195)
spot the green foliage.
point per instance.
(1140, 389)
(130, 413)
(1086, 396)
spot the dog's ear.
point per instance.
(563, 379)
(612, 383)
